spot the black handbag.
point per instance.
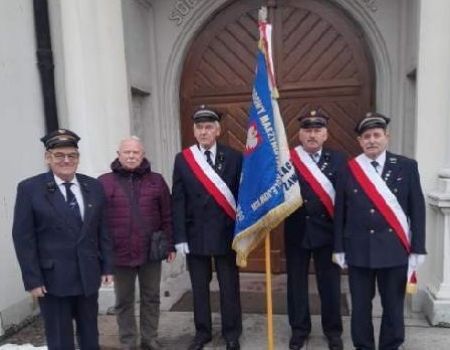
(159, 246)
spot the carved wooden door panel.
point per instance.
(321, 60)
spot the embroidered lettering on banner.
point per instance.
(181, 9)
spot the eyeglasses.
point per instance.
(60, 156)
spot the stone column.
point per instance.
(433, 154)
(95, 79)
(437, 297)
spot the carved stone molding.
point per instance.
(370, 4)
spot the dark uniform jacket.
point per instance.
(197, 218)
(360, 230)
(53, 251)
(311, 226)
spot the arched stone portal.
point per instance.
(321, 60)
(347, 99)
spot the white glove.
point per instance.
(339, 259)
(415, 260)
(182, 248)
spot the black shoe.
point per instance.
(233, 345)
(335, 343)
(198, 343)
(296, 343)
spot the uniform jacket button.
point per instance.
(372, 231)
(372, 211)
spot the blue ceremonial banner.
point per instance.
(269, 189)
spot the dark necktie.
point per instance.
(375, 165)
(315, 157)
(208, 158)
(72, 201)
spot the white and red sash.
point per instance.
(382, 197)
(210, 180)
(386, 203)
(317, 180)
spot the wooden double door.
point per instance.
(321, 61)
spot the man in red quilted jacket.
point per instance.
(138, 205)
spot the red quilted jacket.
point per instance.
(131, 238)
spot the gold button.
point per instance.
(372, 232)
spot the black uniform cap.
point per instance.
(313, 119)
(204, 114)
(60, 138)
(372, 120)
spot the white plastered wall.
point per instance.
(22, 156)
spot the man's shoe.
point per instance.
(296, 343)
(154, 344)
(198, 343)
(233, 345)
(335, 343)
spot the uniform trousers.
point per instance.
(329, 287)
(149, 276)
(200, 270)
(58, 314)
(391, 286)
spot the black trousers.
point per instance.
(200, 270)
(58, 313)
(391, 286)
(329, 287)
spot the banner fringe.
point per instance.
(264, 225)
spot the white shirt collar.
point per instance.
(319, 152)
(213, 151)
(60, 181)
(381, 159)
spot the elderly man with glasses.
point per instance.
(62, 245)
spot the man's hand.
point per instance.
(38, 292)
(339, 259)
(182, 248)
(107, 280)
(171, 257)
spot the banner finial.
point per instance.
(262, 14)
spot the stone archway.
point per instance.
(321, 61)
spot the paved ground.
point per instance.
(176, 328)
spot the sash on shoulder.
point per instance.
(317, 180)
(382, 197)
(210, 180)
(388, 206)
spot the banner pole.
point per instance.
(269, 294)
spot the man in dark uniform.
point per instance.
(62, 245)
(205, 185)
(379, 232)
(309, 233)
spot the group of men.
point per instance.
(367, 214)
(72, 232)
